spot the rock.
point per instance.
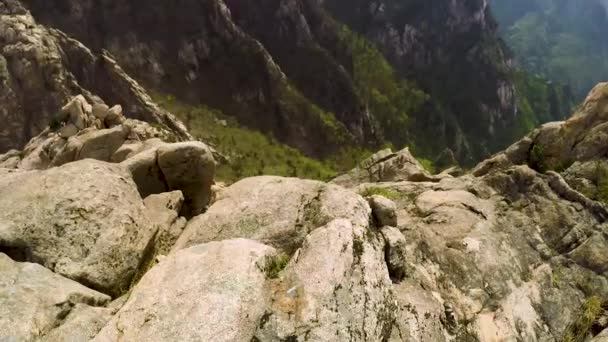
(100, 111)
(210, 292)
(125, 151)
(68, 131)
(34, 300)
(395, 252)
(82, 323)
(384, 210)
(386, 166)
(114, 116)
(419, 314)
(336, 288)
(163, 210)
(10, 159)
(84, 220)
(277, 211)
(102, 144)
(188, 167)
(77, 110)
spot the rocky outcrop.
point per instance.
(207, 292)
(558, 145)
(387, 166)
(84, 220)
(34, 302)
(44, 64)
(277, 211)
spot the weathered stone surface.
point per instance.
(335, 288)
(188, 167)
(34, 301)
(386, 166)
(210, 292)
(44, 64)
(395, 252)
(163, 211)
(82, 324)
(84, 220)
(557, 145)
(384, 210)
(276, 211)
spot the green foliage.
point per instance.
(428, 165)
(586, 323)
(388, 193)
(294, 102)
(55, 123)
(251, 153)
(537, 159)
(558, 40)
(275, 264)
(390, 99)
(601, 182)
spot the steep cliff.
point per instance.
(266, 65)
(41, 68)
(451, 48)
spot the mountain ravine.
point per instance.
(115, 225)
(321, 76)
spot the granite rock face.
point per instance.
(37, 62)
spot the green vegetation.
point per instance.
(275, 264)
(558, 40)
(390, 99)
(600, 181)
(428, 165)
(250, 153)
(388, 193)
(539, 101)
(537, 159)
(586, 324)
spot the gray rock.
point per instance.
(100, 111)
(163, 210)
(384, 210)
(386, 166)
(336, 288)
(188, 167)
(210, 292)
(82, 324)
(277, 211)
(84, 220)
(395, 252)
(68, 131)
(114, 116)
(101, 144)
(34, 300)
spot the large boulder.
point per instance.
(84, 220)
(189, 167)
(336, 288)
(386, 166)
(277, 211)
(210, 292)
(34, 301)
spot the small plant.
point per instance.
(588, 322)
(275, 264)
(537, 159)
(388, 193)
(428, 165)
(55, 124)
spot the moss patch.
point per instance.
(586, 323)
(275, 264)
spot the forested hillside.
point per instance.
(562, 40)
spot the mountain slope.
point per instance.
(564, 41)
